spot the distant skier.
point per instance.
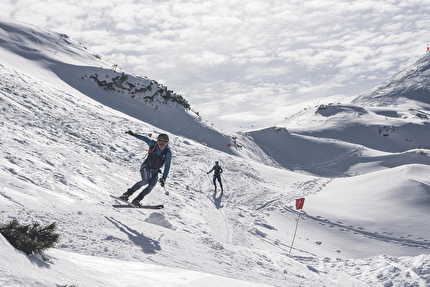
(217, 169)
(158, 155)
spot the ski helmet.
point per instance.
(217, 162)
(163, 138)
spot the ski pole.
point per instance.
(165, 190)
(210, 178)
(163, 183)
(225, 183)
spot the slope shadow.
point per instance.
(148, 245)
(41, 260)
(217, 200)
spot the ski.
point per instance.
(142, 206)
(130, 205)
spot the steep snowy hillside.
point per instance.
(64, 151)
(409, 86)
(78, 71)
(62, 156)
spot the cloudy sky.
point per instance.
(244, 64)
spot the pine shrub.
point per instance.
(32, 238)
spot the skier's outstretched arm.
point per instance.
(142, 137)
(167, 164)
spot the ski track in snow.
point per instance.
(53, 148)
(424, 243)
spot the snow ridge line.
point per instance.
(373, 235)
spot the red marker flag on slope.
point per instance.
(299, 203)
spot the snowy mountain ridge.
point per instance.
(78, 70)
(393, 117)
(362, 169)
(408, 86)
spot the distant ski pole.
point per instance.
(225, 183)
(299, 205)
(211, 183)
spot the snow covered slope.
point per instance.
(64, 150)
(66, 64)
(334, 139)
(408, 86)
(83, 270)
(389, 120)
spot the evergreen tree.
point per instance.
(32, 238)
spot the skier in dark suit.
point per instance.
(158, 155)
(217, 169)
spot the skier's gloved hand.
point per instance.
(130, 133)
(162, 181)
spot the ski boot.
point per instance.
(136, 203)
(125, 196)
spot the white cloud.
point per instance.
(207, 58)
(255, 7)
(244, 59)
(381, 66)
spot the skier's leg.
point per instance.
(135, 187)
(145, 174)
(220, 183)
(152, 182)
(215, 181)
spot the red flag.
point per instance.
(229, 145)
(299, 203)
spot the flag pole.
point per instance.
(299, 205)
(294, 237)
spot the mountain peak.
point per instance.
(407, 86)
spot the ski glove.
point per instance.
(131, 133)
(162, 181)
